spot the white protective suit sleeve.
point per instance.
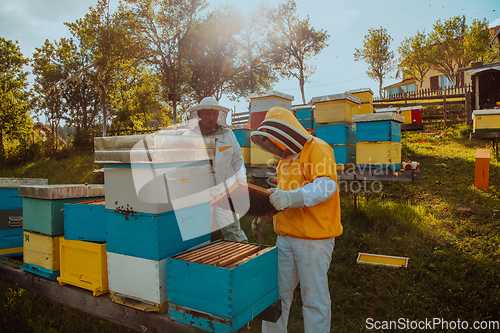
(318, 191)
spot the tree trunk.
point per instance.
(2, 149)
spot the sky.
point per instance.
(31, 22)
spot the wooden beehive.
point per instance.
(223, 285)
(85, 220)
(41, 255)
(261, 158)
(337, 134)
(486, 120)
(335, 108)
(263, 101)
(83, 264)
(344, 153)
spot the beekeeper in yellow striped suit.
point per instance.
(308, 220)
(208, 119)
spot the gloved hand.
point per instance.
(282, 200)
(260, 221)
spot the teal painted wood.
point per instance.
(378, 131)
(303, 113)
(221, 324)
(221, 291)
(242, 136)
(9, 199)
(38, 270)
(85, 222)
(46, 217)
(337, 134)
(306, 123)
(344, 154)
(11, 238)
(155, 236)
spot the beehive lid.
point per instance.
(386, 110)
(271, 93)
(393, 116)
(51, 192)
(337, 97)
(240, 127)
(485, 112)
(303, 107)
(160, 147)
(418, 107)
(16, 182)
(360, 90)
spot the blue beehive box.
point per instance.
(11, 215)
(337, 134)
(43, 205)
(378, 131)
(306, 123)
(216, 289)
(157, 236)
(242, 136)
(85, 221)
(344, 154)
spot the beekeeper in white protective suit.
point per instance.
(308, 220)
(208, 119)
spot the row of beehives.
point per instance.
(358, 134)
(70, 235)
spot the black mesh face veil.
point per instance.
(279, 138)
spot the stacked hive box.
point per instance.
(487, 120)
(242, 133)
(43, 223)
(157, 205)
(333, 115)
(413, 118)
(378, 140)
(305, 116)
(260, 103)
(366, 97)
(222, 286)
(82, 250)
(11, 215)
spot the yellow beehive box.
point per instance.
(382, 260)
(486, 120)
(365, 94)
(246, 153)
(260, 157)
(42, 251)
(335, 108)
(84, 264)
(380, 152)
(365, 108)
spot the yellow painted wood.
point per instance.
(381, 152)
(487, 122)
(137, 303)
(261, 157)
(11, 250)
(337, 110)
(365, 108)
(407, 115)
(365, 96)
(41, 250)
(246, 153)
(84, 264)
(375, 259)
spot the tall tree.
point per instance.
(253, 62)
(376, 54)
(454, 45)
(107, 40)
(165, 26)
(293, 42)
(14, 117)
(413, 60)
(210, 52)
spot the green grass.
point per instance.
(448, 229)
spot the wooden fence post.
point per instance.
(468, 112)
(445, 115)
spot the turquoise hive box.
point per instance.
(222, 286)
(43, 205)
(11, 215)
(85, 221)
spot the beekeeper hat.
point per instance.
(209, 103)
